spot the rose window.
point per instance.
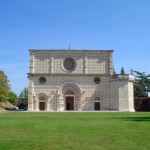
(69, 64)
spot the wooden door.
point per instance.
(42, 105)
(70, 103)
(97, 105)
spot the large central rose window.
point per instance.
(69, 64)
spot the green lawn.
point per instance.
(74, 131)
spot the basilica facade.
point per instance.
(77, 80)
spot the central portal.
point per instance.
(42, 105)
(69, 103)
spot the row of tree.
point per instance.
(141, 91)
(142, 84)
(6, 94)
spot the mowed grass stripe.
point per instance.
(74, 131)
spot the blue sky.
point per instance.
(122, 25)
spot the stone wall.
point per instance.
(121, 93)
(89, 90)
(87, 62)
(112, 92)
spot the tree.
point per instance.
(4, 87)
(12, 98)
(139, 91)
(132, 72)
(23, 98)
(143, 81)
(24, 94)
(141, 88)
(122, 71)
(114, 71)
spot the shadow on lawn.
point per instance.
(137, 119)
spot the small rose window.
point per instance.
(97, 80)
(42, 80)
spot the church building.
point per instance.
(77, 80)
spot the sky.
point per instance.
(121, 25)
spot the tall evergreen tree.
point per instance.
(122, 71)
(23, 98)
(4, 87)
(143, 81)
(114, 71)
(24, 95)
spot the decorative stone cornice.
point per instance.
(68, 74)
(122, 78)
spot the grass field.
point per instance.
(74, 131)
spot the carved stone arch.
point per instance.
(97, 101)
(69, 96)
(42, 100)
(69, 86)
(42, 96)
(69, 92)
(97, 96)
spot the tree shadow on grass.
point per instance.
(137, 119)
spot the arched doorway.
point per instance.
(69, 97)
(69, 103)
(42, 102)
(97, 105)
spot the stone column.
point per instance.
(80, 99)
(30, 89)
(34, 99)
(30, 95)
(37, 105)
(30, 102)
(85, 65)
(111, 68)
(60, 103)
(51, 64)
(48, 103)
(57, 102)
(31, 62)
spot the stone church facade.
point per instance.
(77, 80)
